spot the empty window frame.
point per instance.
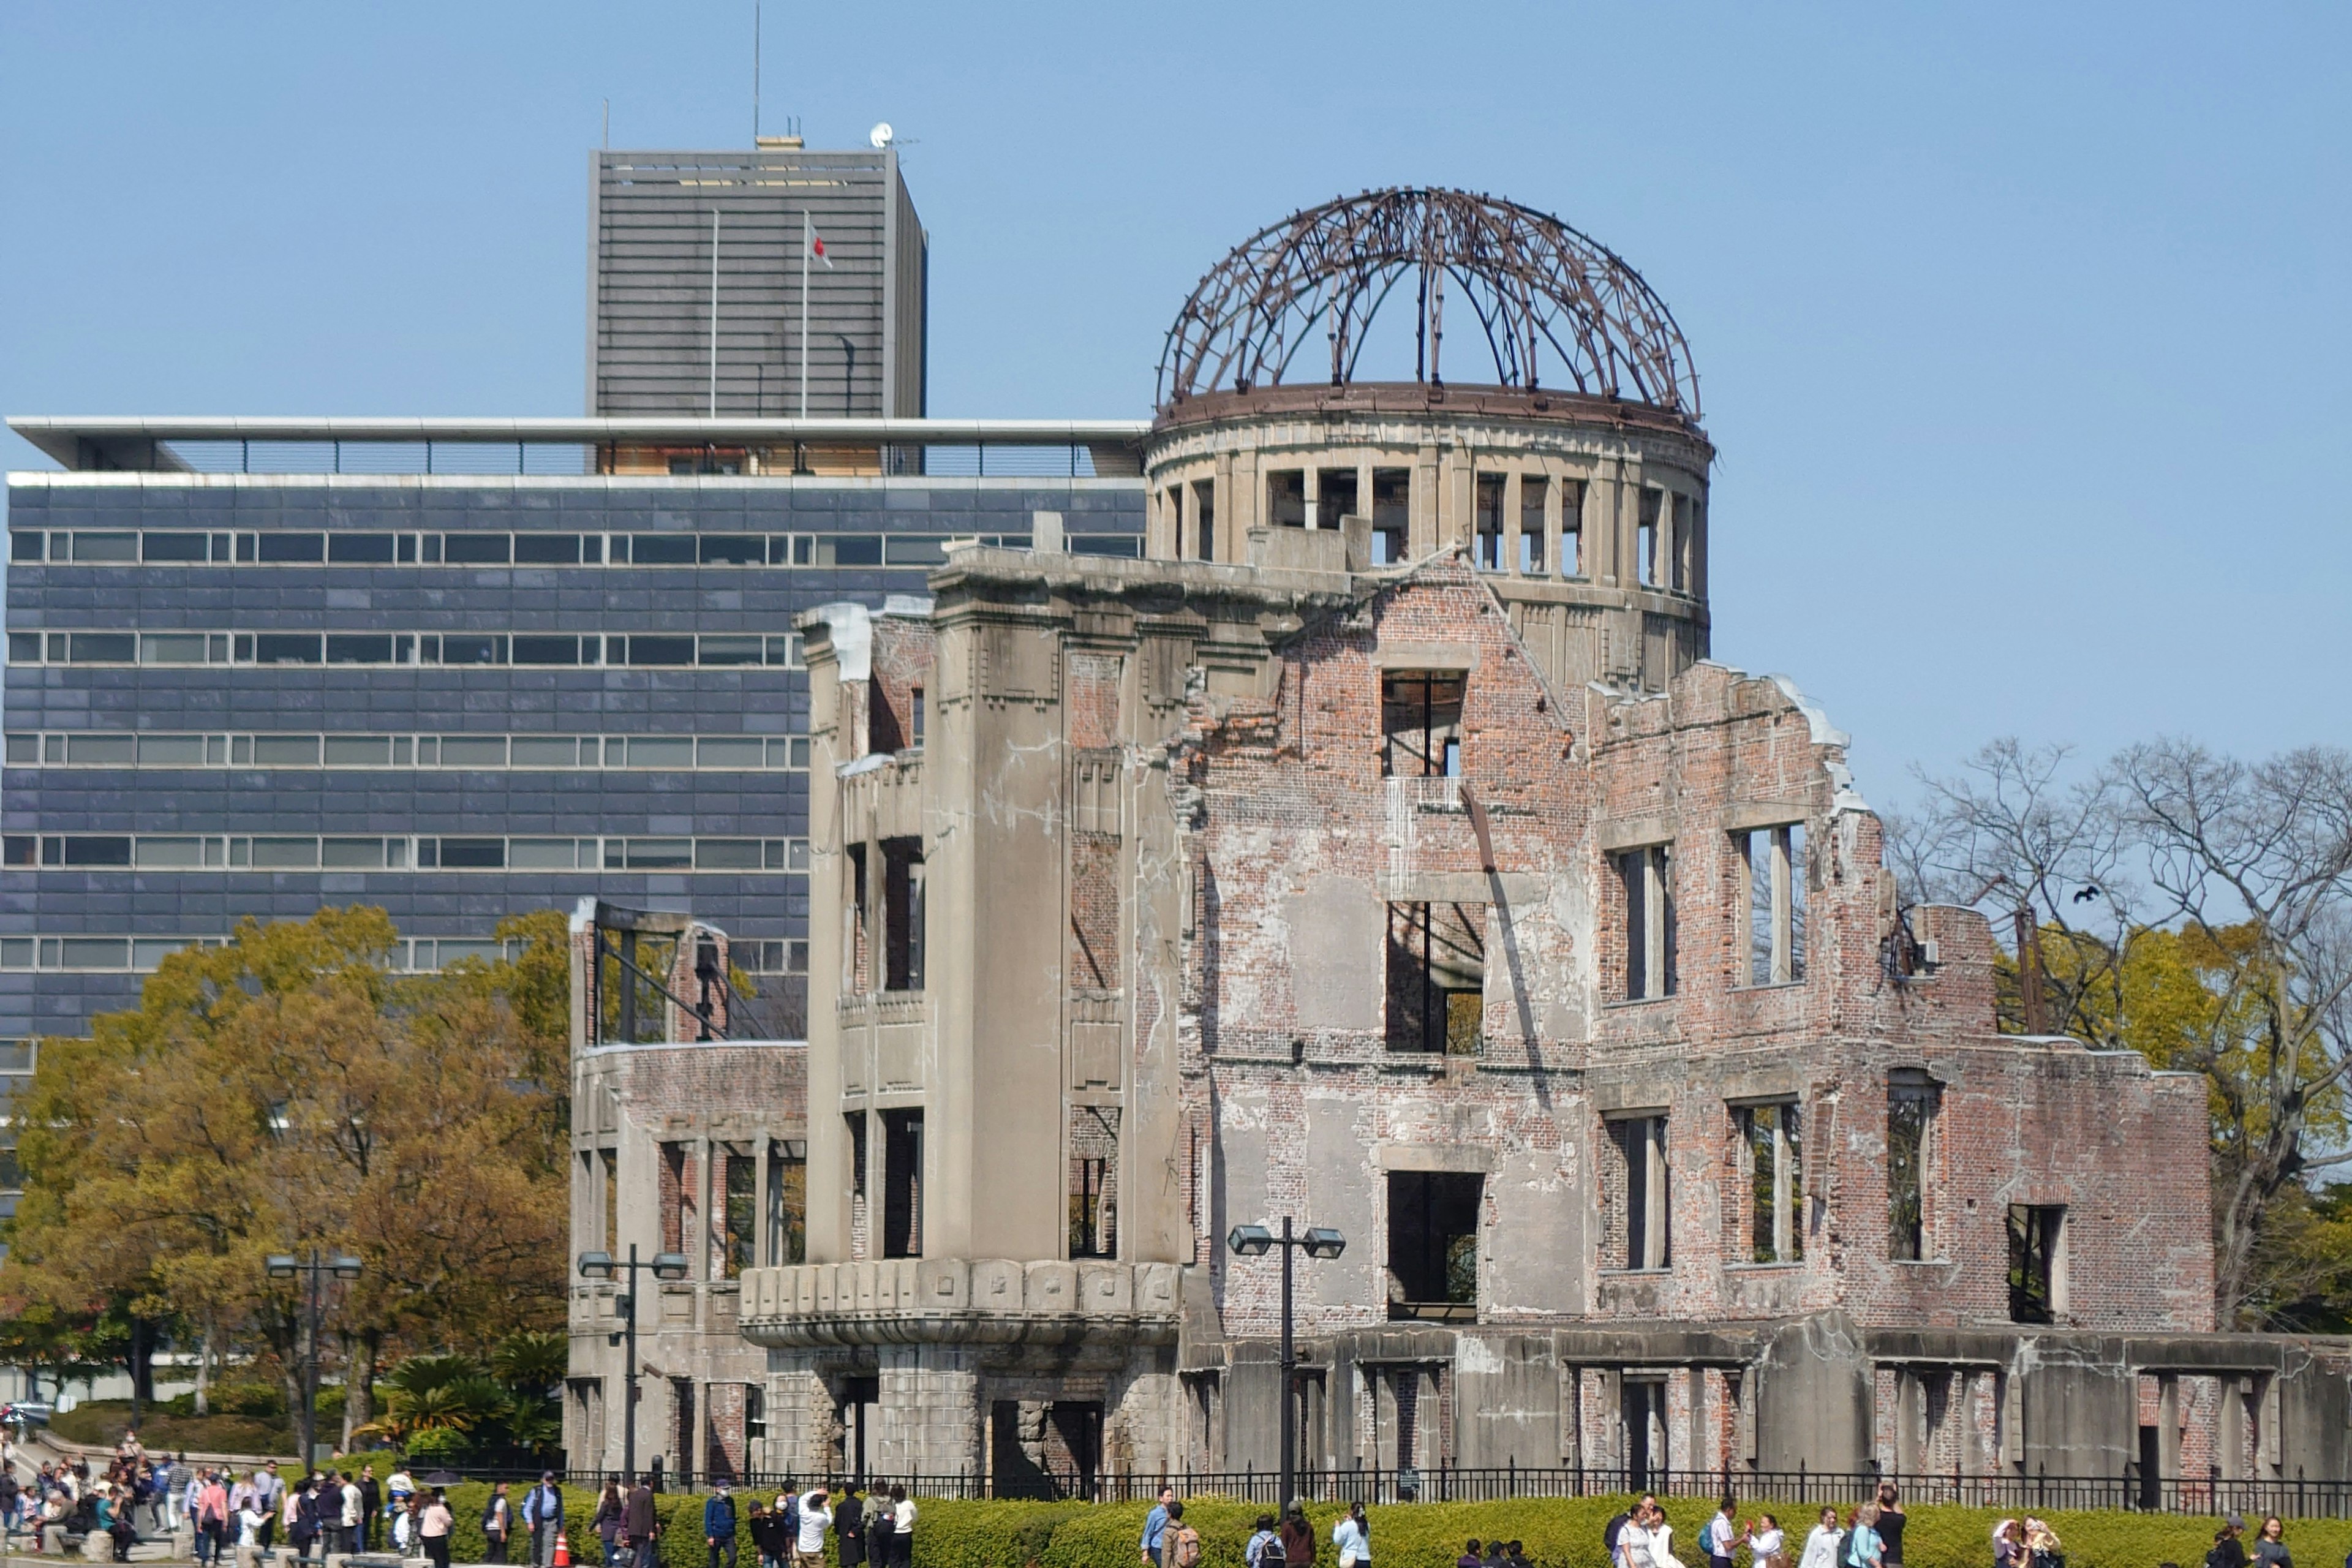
(902, 1183)
(1204, 520)
(1648, 525)
(861, 1207)
(1391, 515)
(1772, 877)
(1093, 1181)
(1421, 724)
(902, 914)
(1572, 527)
(2037, 1262)
(1286, 497)
(609, 1163)
(1433, 1245)
(1335, 496)
(1911, 1109)
(785, 1225)
(1772, 1158)
(1436, 977)
(1646, 886)
(1533, 493)
(1641, 1228)
(1486, 539)
(857, 962)
(739, 1217)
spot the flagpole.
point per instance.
(808, 243)
(714, 313)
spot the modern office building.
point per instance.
(254, 667)
(778, 281)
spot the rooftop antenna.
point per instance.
(608, 124)
(755, 73)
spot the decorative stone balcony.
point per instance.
(953, 1300)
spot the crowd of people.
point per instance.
(341, 1511)
(876, 1532)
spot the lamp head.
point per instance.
(345, 1266)
(596, 1265)
(1322, 1241)
(670, 1265)
(1251, 1240)
(280, 1265)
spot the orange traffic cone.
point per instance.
(563, 1550)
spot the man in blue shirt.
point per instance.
(1155, 1526)
(719, 1526)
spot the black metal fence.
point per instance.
(2126, 1490)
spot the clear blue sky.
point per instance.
(2022, 330)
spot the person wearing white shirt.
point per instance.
(815, 1516)
(1821, 1543)
(249, 1522)
(1721, 1536)
(1764, 1545)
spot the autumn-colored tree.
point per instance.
(288, 1091)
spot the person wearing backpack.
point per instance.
(542, 1515)
(497, 1523)
(1179, 1546)
(1264, 1548)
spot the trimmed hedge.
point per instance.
(1558, 1532)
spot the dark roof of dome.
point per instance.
(1545, 300)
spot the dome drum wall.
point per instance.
(1587, 515)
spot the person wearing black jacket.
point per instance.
(371, 1505)
(849, 1525)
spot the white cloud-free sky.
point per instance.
(2022, 330)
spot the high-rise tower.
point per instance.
(696, 266)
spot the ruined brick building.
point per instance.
(1386, 851)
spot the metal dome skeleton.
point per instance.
(1532, 282)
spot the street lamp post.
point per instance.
(1256, 1241)
(313, 1268)
(600, 1266)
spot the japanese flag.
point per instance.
(816, 249)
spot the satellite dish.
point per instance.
(880, 135)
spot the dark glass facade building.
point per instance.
(455, 696)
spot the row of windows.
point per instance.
(1542, 536)
(119, 749)
(416, 955)
(134, 547)
(397, 852)
(414, 649)
(1771, 862)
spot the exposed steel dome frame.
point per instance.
(1532, 282)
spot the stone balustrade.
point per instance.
(958, 1300)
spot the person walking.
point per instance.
(1264, 1549)
(353, 1508)
(1155, 1527)
(1353, 1539)
(542, 1515)
(902, 1528)
(606, 1521)
(269, 1491)
(718, 1525)
(1863, 1549)
(815, 1517)
(371, 1506)
(212, 1520)
(2269, 1547)
(497, 1523)
(434, 1528)
(2228, 1550)
(639, 1526)
(1297, 1538)
(849, 1527)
